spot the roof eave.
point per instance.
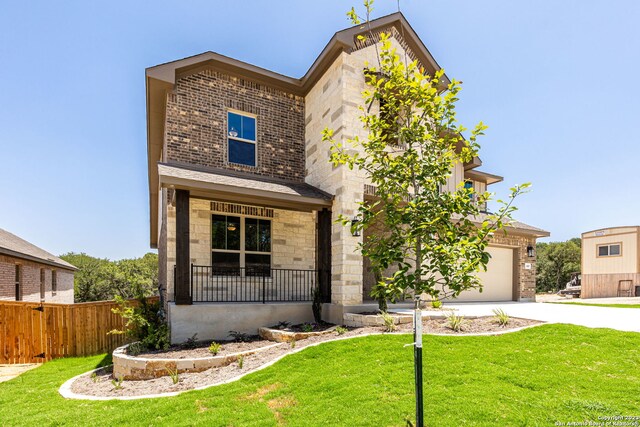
(26, 257)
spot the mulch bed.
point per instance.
(303, 327)
(101, 383)
(202, 349)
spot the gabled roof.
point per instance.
(14, 246)
(161, 78)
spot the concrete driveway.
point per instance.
(622, 319)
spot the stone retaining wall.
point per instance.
(139, 368)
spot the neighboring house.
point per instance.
(243, 199)
(610, 262)
(28, 273)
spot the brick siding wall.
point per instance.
(30, 281)
(196, 124)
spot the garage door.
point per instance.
(497, 281)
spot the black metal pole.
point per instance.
(417, 359)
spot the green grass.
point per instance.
(598, 305)
(534, 377)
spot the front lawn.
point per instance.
(534, 377)
(599, 305)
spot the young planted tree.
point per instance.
(436, 239)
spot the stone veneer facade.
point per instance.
(293, 238)
(30, 281)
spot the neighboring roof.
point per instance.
(517, 226)
(14, 246)
(635, 228)
(485, 177)
(161, 78)
(241, 187)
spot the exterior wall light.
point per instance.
(355, 232)
(530, 251)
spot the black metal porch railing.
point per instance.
(252, 284)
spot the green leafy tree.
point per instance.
(555, 263)
(436, 239)
(99, 279)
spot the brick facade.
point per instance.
(30, 281)
(196, 124)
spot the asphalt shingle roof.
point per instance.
(12, 245)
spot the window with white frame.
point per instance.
(241, 138)
(611, 249)
(240, 245)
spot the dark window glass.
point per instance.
(264, 239)
(225, 264)
(234, 125)
(248, 128)
(225, 232)
(54, 282)
(614, 250)
(251, 234)
(257, 265)
(603, 250)
(243, 153)
(18, 290)
(233, 233)
(257, 235)
(240, 126)
(219, 232)
(42, 283)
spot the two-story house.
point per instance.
(244, 200)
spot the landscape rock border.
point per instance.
(279, 335)
(359, 320)
(140, 368)
(66, 392)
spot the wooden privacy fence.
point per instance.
(34, 332)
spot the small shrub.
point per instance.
(307, 327)
(94, 377)
(502, 317)
(293, 343)
(436, 303)
(283, 325)
(389, 323)
(190, 343)
(239, 336)
(341, 330)
(135, 348)
(173, 374)
(385, 292)
(240, 361)
(215, 348)
(144, 322)
(455, 322)
(117, 383)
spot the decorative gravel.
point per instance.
(228, 347)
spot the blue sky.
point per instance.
(556, 81)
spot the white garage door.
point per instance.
(497, 281)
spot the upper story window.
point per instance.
(468, 185)
(612, 249)
(17, 283)
(54, 282)
(241, 134)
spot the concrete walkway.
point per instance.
(9, 372)
(622, 319)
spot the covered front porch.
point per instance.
(241, 251)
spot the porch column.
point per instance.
(323, 254)
(183, 265)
